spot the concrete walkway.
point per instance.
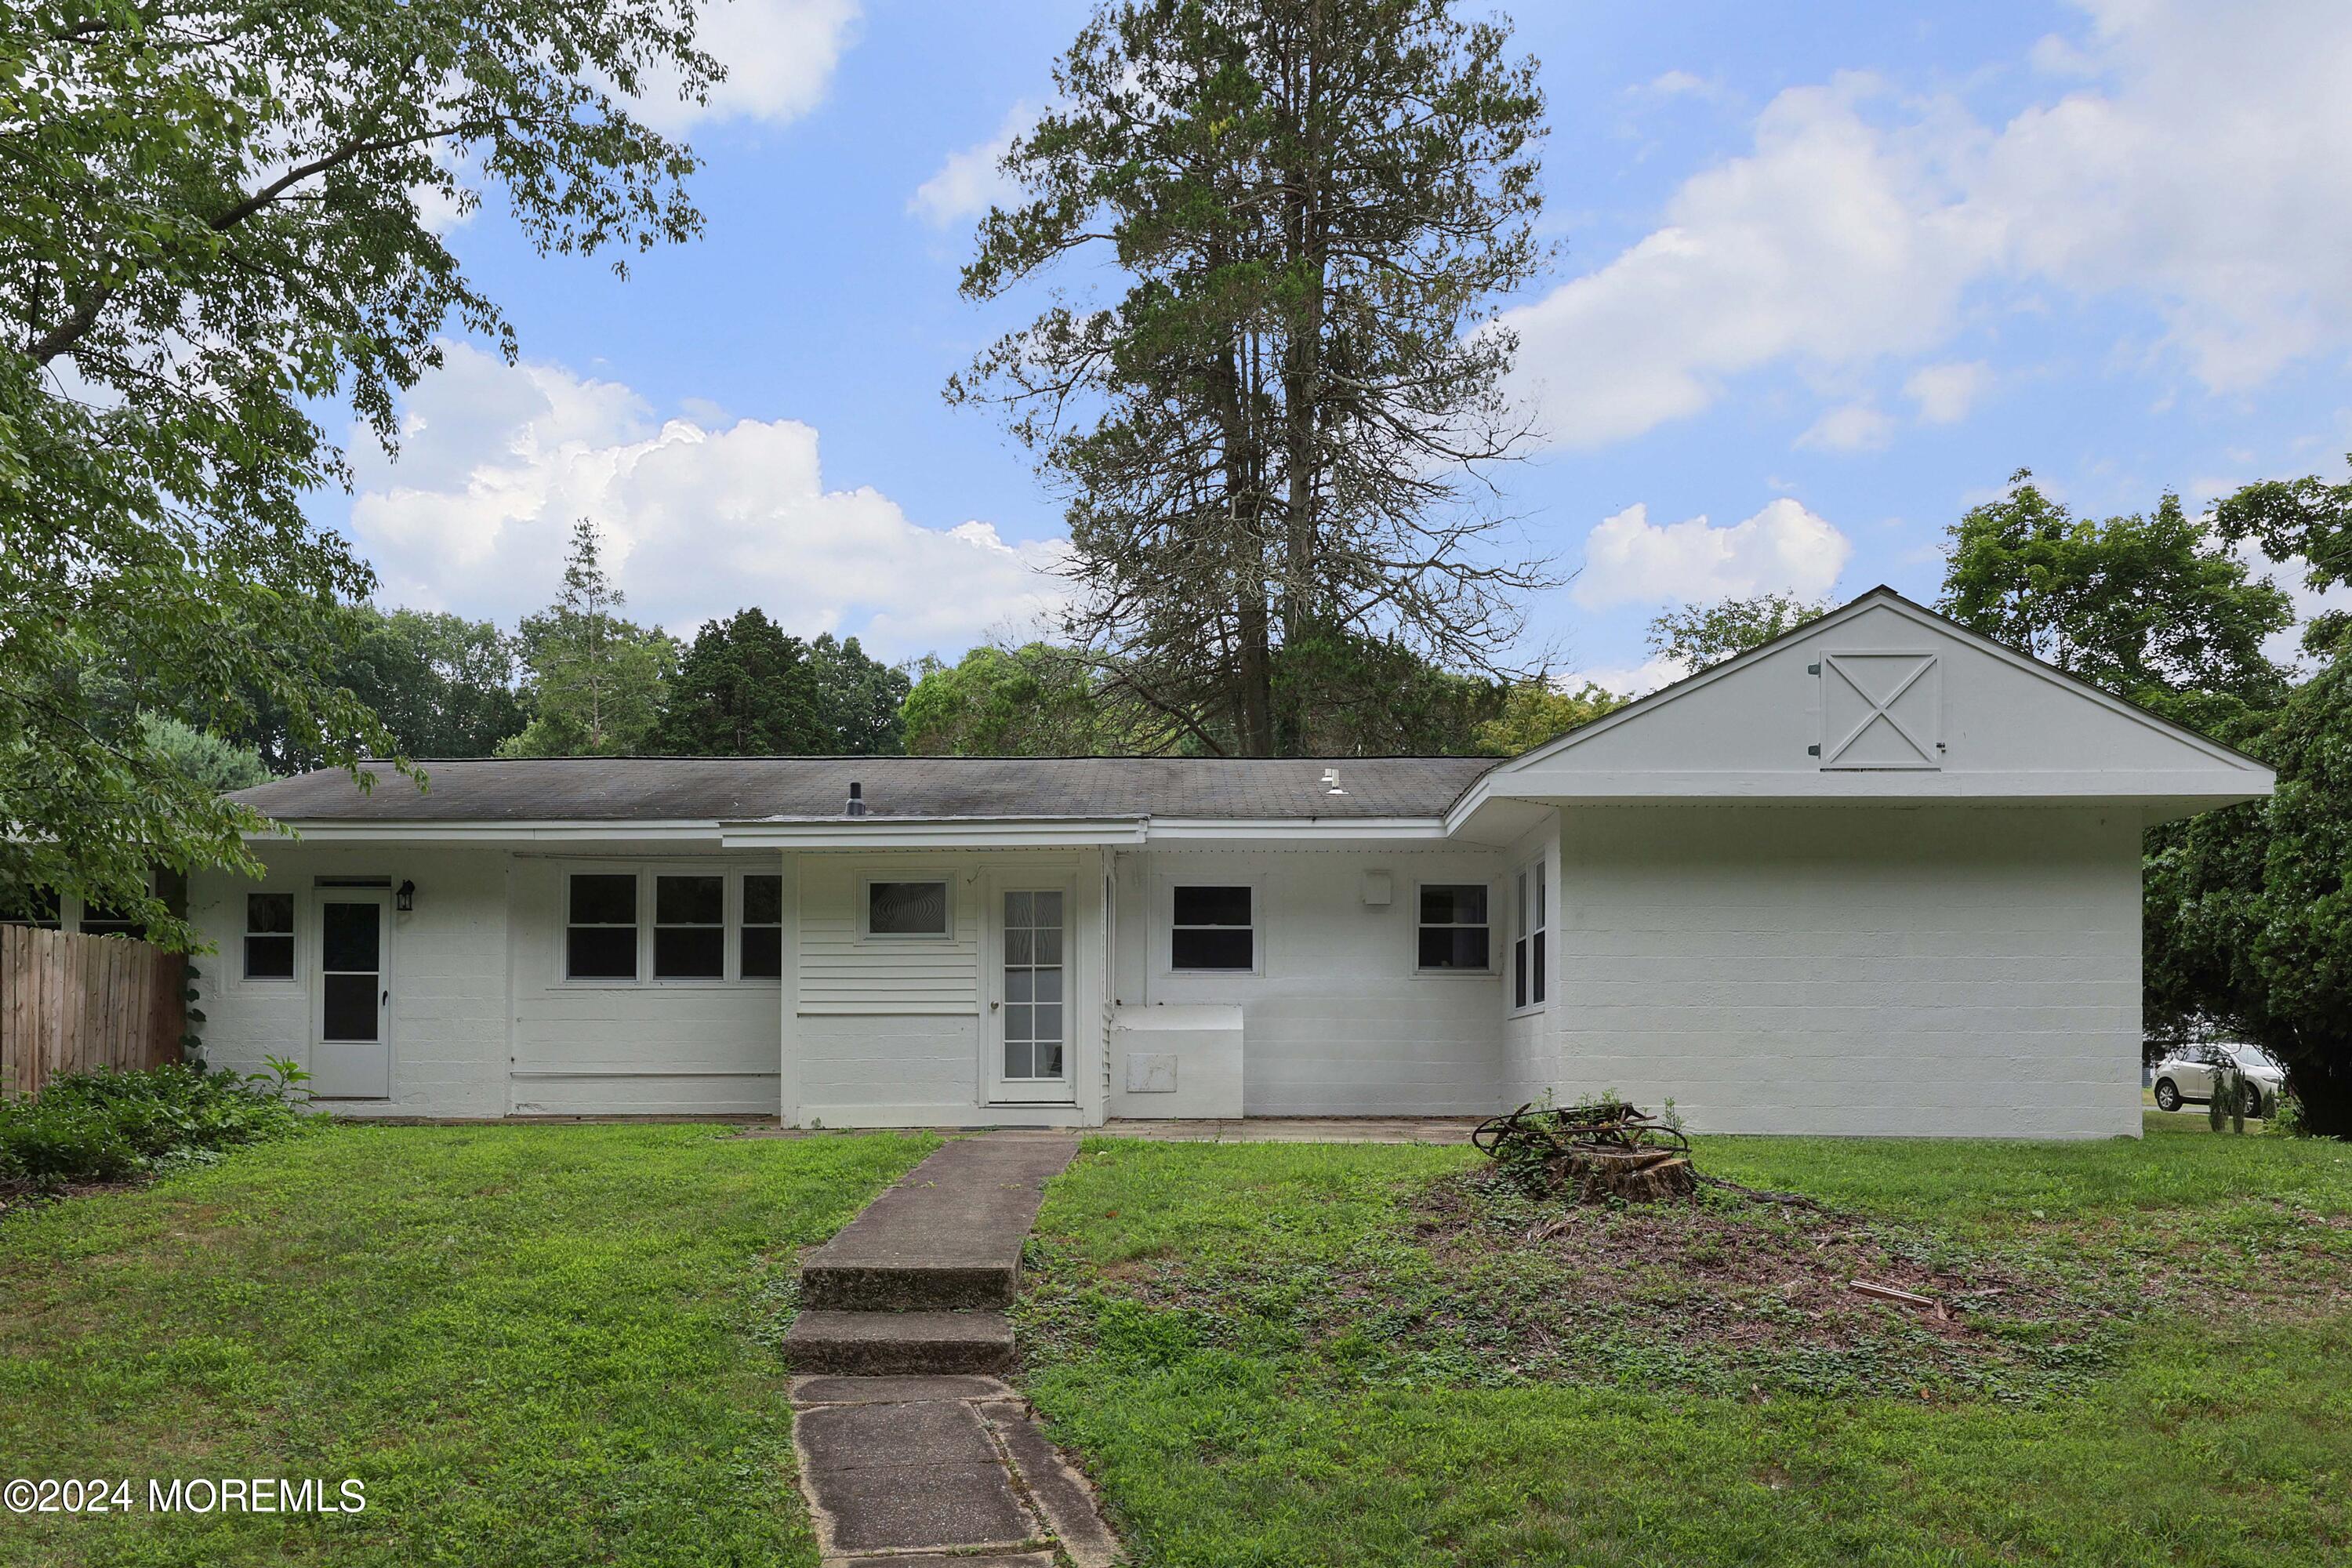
(909, 1455)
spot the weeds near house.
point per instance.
(113, 1126)
(1325, 1355)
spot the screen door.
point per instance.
(350, 1056)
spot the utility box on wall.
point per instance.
(1176, 1062)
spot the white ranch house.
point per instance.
(1880, 875)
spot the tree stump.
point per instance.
(1634, 1175)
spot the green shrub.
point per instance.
(112, 1126)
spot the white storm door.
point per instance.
(1029, 996)
(351, 1002)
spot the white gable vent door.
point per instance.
(1881, 709)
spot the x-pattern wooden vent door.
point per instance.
(1881, 709)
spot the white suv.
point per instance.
(2186, 1077)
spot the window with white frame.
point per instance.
(690, 927)
(1213, 927)
(917, 909)
(269, 936)
(1528, 942)
(600, 935)
(1452, 932)
(37, 907)
(762, 936)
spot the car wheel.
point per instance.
(2167, 1095)
(2254, 1100)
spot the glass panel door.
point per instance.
(350, 1058)
(1032, 1037)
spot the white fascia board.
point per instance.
(947, 833)
(1318, 830)
(1894, 785)
(483, 832)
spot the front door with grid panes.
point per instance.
(1029, 1009)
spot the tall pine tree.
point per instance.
(1271, 440)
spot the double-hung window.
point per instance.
(600, 936)
(690, 928)
(1528, 942)
(1213, 927)
(269, 936)
(1454, 933)
(764, 927)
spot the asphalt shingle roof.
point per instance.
(737, 789)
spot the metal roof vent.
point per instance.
(1331, 782)
(857, 806)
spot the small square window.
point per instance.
(601, 937)
(907, 909)
(764, 927)
(1211, 928)
(1452, 932)
(269, 936)
(690, 928)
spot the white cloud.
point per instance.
(1850, 428)
(1944, 393)
(779, 54)
(1630, 559)
(1813, 248)
(969, 182)
(1631, 680)
(497, 462)
(2195, 158)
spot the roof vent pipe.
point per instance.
(1331, 782)
(857, 806)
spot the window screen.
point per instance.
(1211, 928)
(907, 909)
(1454, 932)
(269, 936)
(764, 927)
(601, 931)
(690, 928)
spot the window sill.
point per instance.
(1457, 974)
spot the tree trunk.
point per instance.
(2323, 1088)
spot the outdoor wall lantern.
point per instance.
(406, 900)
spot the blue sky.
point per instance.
(1828, 274)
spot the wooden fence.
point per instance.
(75, 1004)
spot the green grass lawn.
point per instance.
(535, 1345)
(1301, 1354)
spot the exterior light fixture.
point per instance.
(406, 899)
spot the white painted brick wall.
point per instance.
(1943, 970)
(447, 1019)
(1335, 1023)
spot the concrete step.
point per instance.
(874, 1286)
(946, 1237)
(825, 1340)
